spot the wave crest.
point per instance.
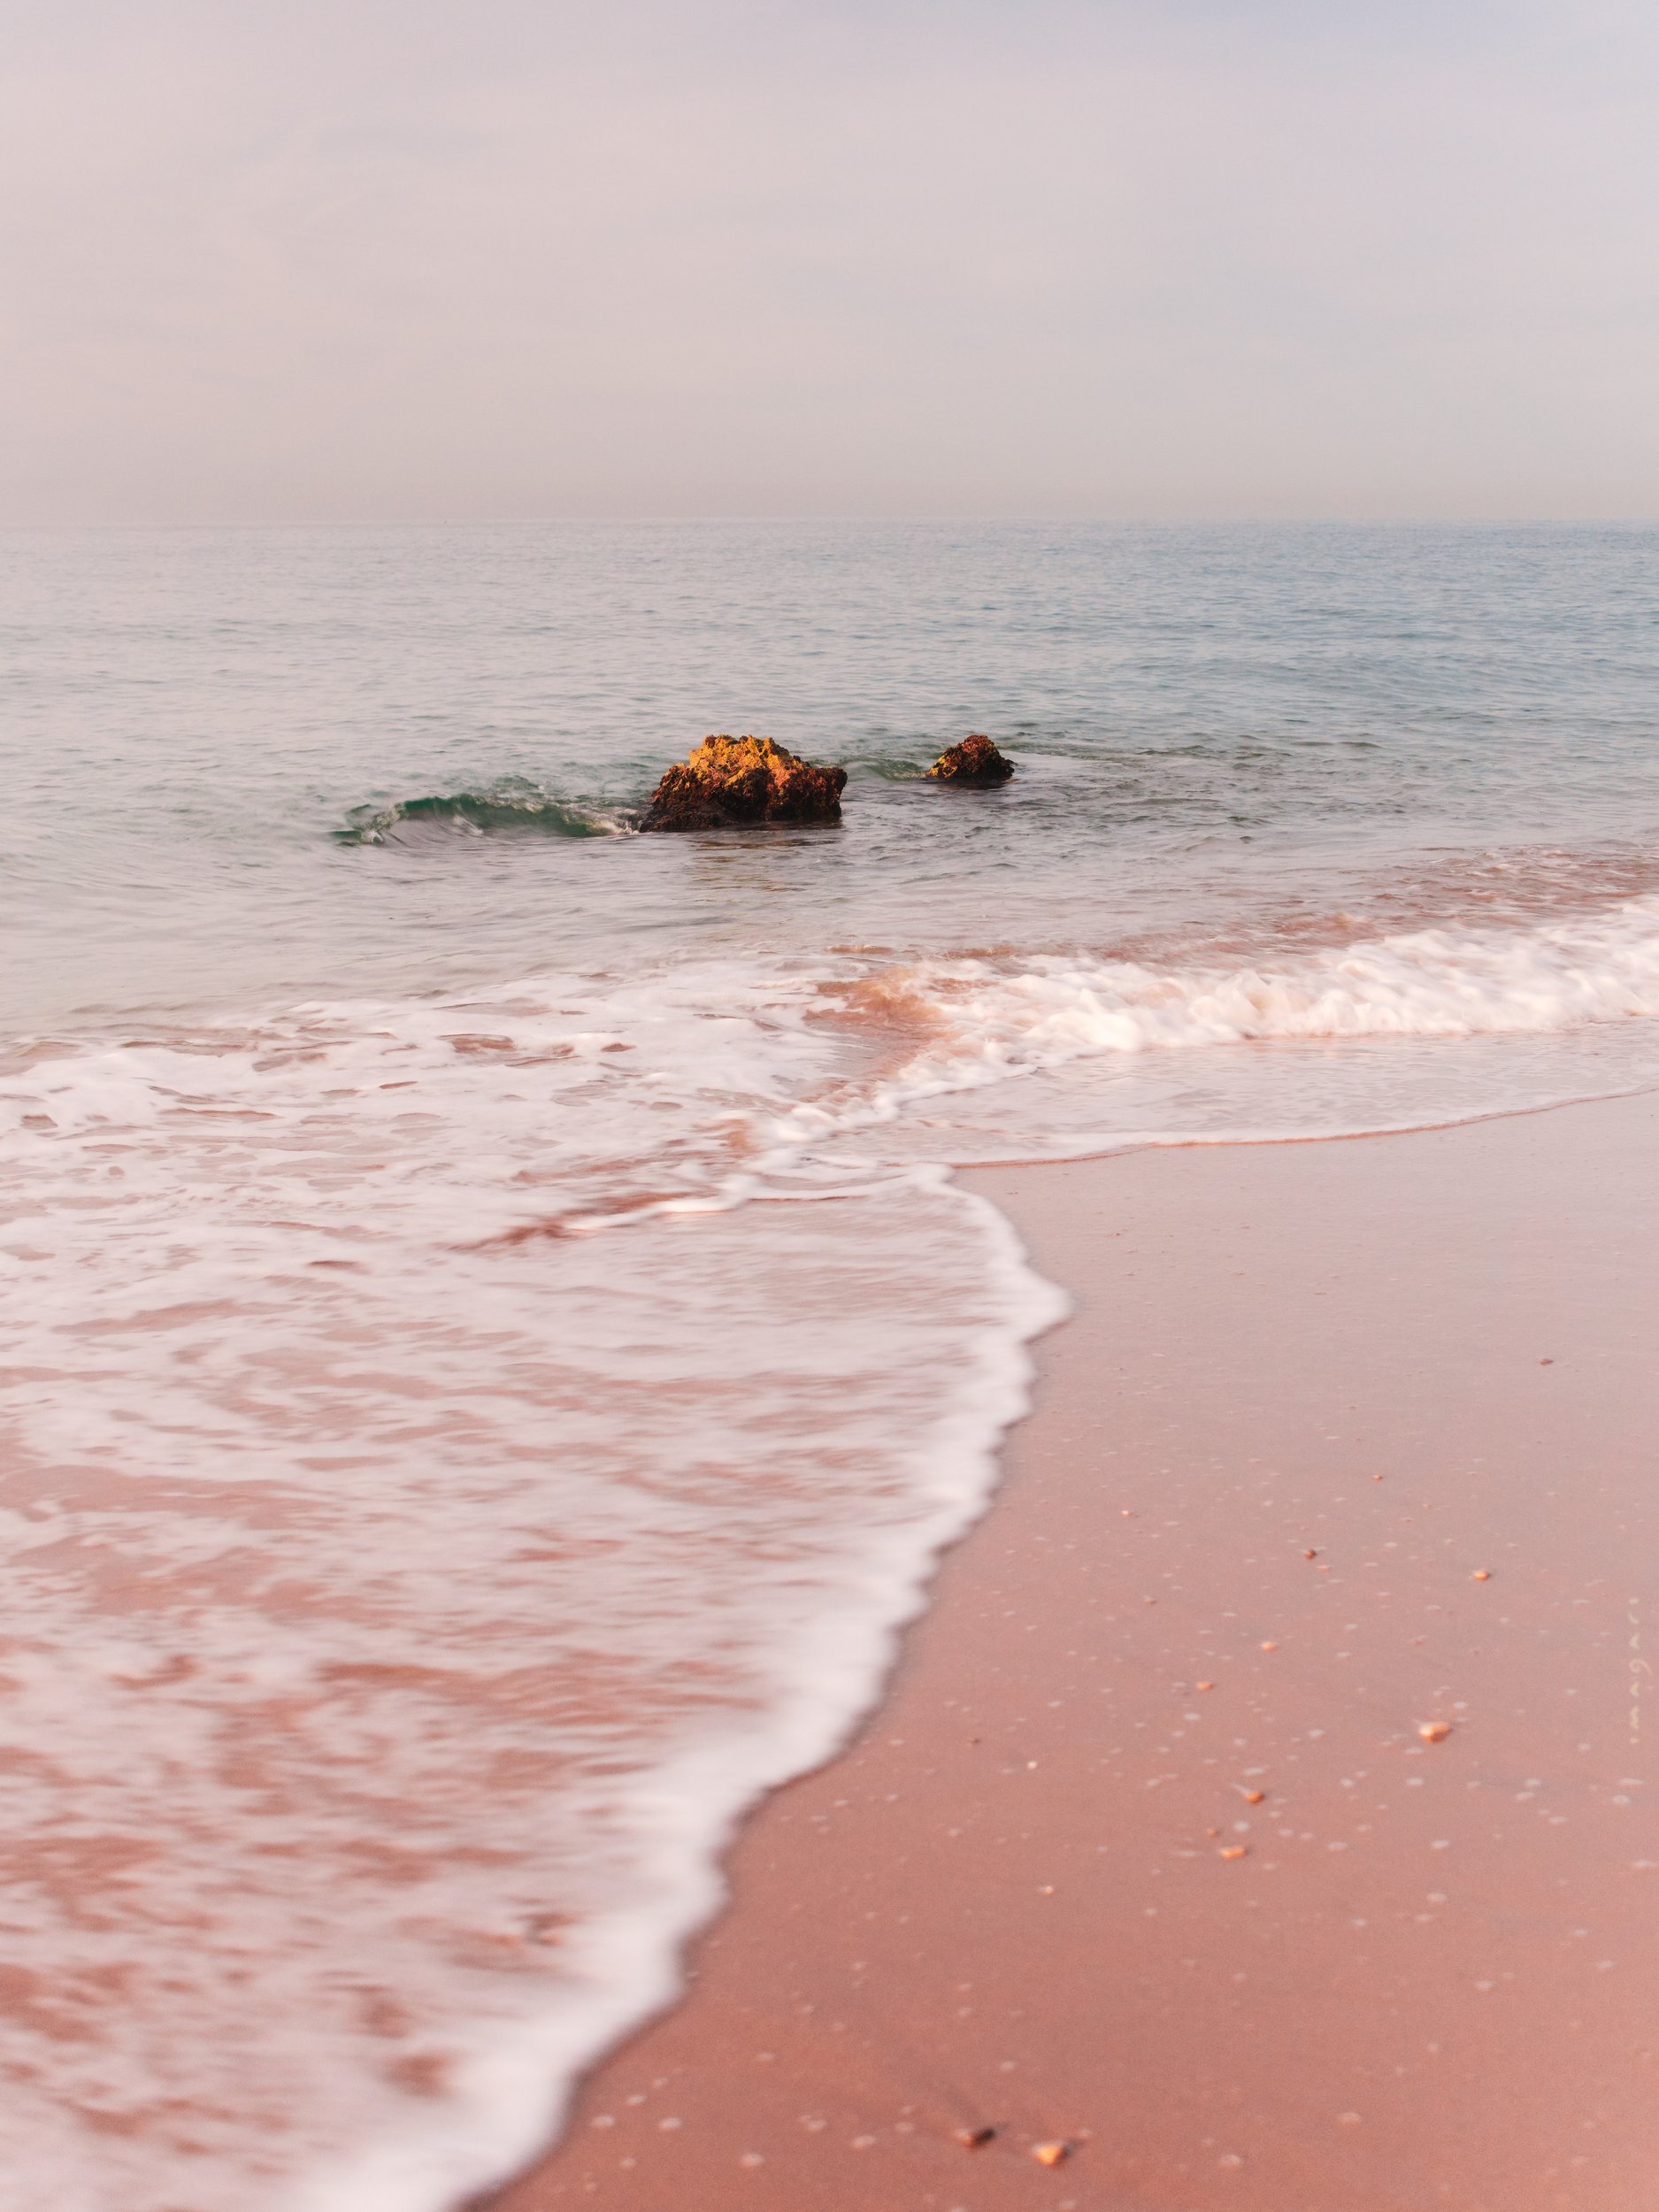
(511, 803)
(1430, 984)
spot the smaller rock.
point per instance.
(1051, 2154)
(1435, 1731)
(976, 761)
(975, 2139)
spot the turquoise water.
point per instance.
(494, 1345)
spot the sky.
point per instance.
(274, 260)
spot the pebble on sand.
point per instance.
(1435, 1731)
(1235, 1850)
(976, 2139)
(1481, 1574)
(1051, 2154)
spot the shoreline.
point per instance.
(1309, 1394)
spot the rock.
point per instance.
(975, 762)
(1435, 1731)
(730, 782)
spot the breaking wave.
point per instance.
(1435, 983)
(511, 803)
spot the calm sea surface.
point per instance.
(494, 1346)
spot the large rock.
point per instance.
(975, 761)
(730, 782)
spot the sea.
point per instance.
(492, 1339)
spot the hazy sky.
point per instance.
(389, 258)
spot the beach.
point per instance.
(829, 1064)
(1257, 1817)
(526, 1339)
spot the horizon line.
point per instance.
(795, 520)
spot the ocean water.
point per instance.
(492, 1342)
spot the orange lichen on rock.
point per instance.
(733, 782)
(975, 761)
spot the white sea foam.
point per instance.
(403, 1574)
(1438, 983)
(460, 1451)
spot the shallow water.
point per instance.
(494, 1346)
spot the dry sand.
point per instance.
(1433, 1978)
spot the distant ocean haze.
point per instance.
(498, 1346)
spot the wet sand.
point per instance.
(1311, 1393)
